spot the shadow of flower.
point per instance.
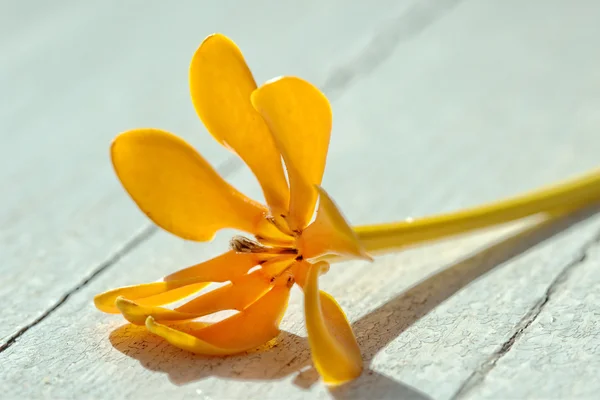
(289, 354)
(281, 357)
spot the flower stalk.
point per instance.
(553, 200)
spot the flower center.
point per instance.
(276, 262)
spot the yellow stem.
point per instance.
(559, 198)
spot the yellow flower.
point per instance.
(288, 119)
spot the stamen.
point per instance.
(290, 281)
(274, 242)
(241, 244)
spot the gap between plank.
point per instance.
(134, 242)
(229, 166)
(411, 22)
(477, 377)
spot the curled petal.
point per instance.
(156, 293)
(330, 233)
(179, 190)
(234, 296)
(221, 84)
(299, 117)
(181, 284)
(334, 350)
(137, 313)
(300, 271)
(248, 329)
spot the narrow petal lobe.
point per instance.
(151, 294)
(299, 117)
(234, 296)
(221, 84)
(222, 268)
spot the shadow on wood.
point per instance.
(289, 354)
(281, 357)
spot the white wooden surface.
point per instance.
(438, 104)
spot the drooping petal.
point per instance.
(137, 313)
(178, 189)
(181, 284)
(299, 117)
(221, 84)
(222, 268)
(234, 296)
(246, 330)
(300, 271)
(330, 233)
(333, 347)
(155, 293)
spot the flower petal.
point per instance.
(234, 296)
(221, 268)
(179, 285)
(137, 313)
(221, 84)
(156, 293)
(330, 233)
(179, 190)
(299, 117)
(334, 350)
(244, 331)
(278, 265)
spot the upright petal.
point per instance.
(299, 117)
(334, 350)
(246, 330)
(178, 189)
(221, 85)
(330, 233)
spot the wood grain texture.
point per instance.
(559, 351)
(437, 105)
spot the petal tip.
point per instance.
(102, 302)
(130, 310)
(150, 323)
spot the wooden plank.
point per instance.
(559, 352)
(75, 74)
(462, 111)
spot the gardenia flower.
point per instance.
(290, 119)
(177, 189)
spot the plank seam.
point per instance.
(229, 166)
(131, 244)
(413, 21)
(477, 377)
